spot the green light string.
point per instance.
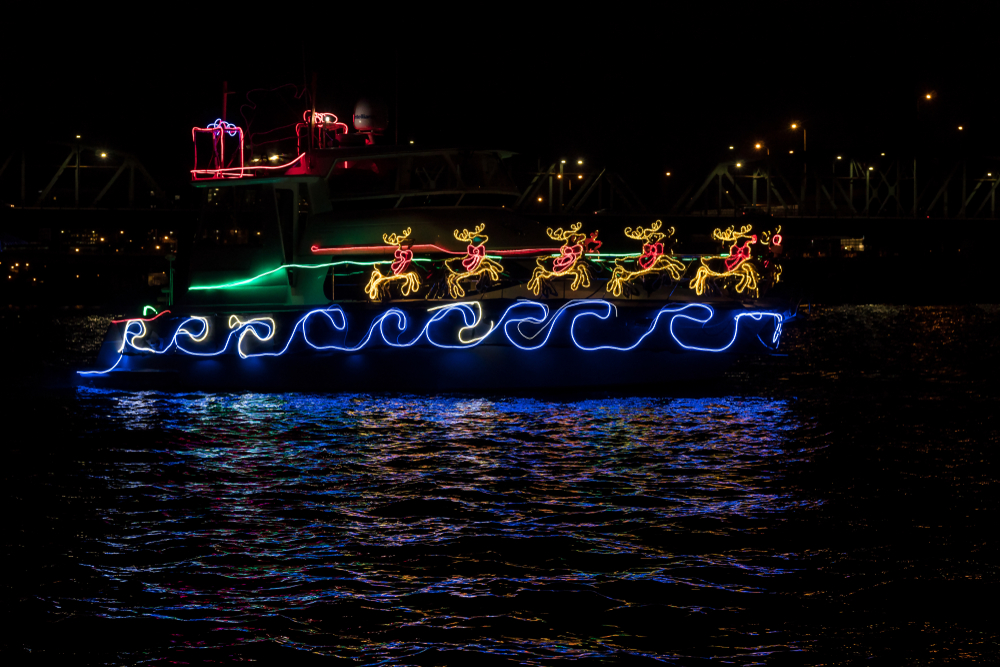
(146, 309)
(241, 283)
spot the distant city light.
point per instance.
(790, 152)
(539, 199)
(411, 141)
(579, 161)
(558, 175)
(871, 168)
(960, 127)
(839, 158)
(884, 153)
(78, 136)
(562, 161)
(794, 126)
(579, 176)
(928, 96)
(739, 164)
(668, 173)
(756, 145)
(730, 148)
(104, 154)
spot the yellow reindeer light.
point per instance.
(568, 263)
(738, 268)
(475, 263)
(379, 284)
(652, 261)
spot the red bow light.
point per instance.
(650, 251)
(569, 255)
(475, 255)
(403, 260)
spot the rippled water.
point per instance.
(828, 507)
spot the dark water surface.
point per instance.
(834, 506)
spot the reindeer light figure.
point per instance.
(379, 284)
(652, 261)
(737, 265)
(475, 263)
(568, 263)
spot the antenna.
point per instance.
(396, 58)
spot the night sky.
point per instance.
(672, 97)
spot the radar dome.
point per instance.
(370, 116)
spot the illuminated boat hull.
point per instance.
(491, 345)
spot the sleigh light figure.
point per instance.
(569, 262)
(378, 285)
(654, 260)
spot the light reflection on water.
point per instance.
(827, 507)
(251, 505)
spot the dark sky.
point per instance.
(671, 95)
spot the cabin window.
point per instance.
(286, 212)
(232, 216)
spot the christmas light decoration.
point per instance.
(575, 246)
(378, 285)
(475, 261)
(652, 261)
(426, 248)
(745, 274)
(218, 131)
(391, 325)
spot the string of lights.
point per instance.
(526, 325)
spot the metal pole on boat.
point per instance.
(561, 163)
(170, 284)
(396, 119)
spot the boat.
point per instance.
(361, 266)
